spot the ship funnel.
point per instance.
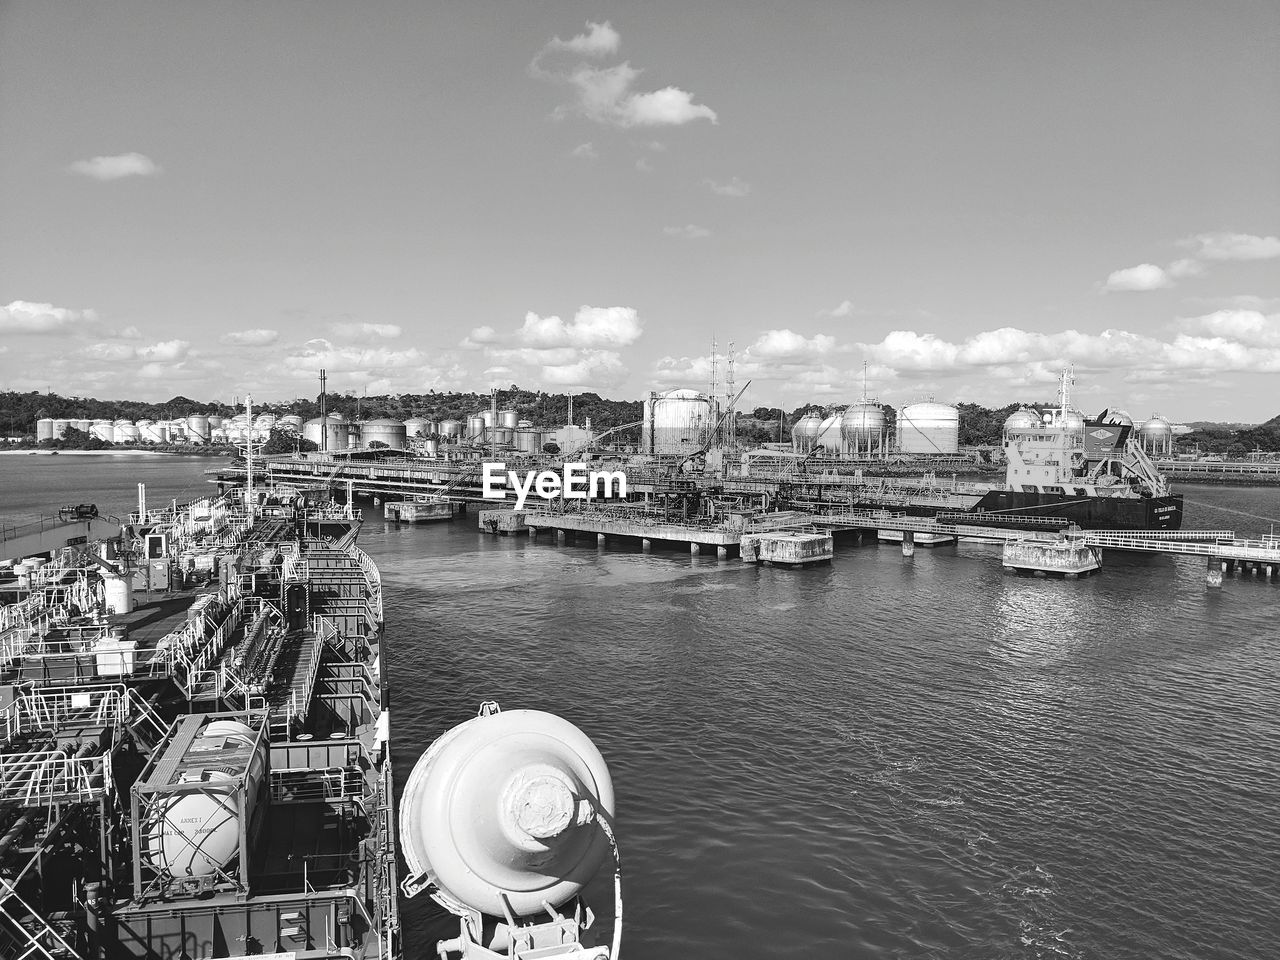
(507, 815)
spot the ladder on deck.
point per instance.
(26, 935)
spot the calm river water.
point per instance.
(886, 757)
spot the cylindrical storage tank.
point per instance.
(177, 430)
(487, 416)
(145, 433)
(504, 436)
(290, 422)
(315, 431)
(127, 432)
(450, 429)
(502, 808)
(391, 432)
(804, 435)
(526, 441)
(1021, 420)
(431, 448)
(862, 426)
(198, 428)
(84, 426)
(60, 428)
(44, 428)
(830, 437)
(677, 421)
(197, 833)
(508, 419)
(417, 426)
(118, 594)
(215, 422)
(928, 428)
(103, 430)
(475, 426)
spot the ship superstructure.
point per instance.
(195, 741)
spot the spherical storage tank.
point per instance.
(502, 809)
(1156, 434)
(1118, 417)
(862, 426)
(928, 428)
(804, 435)
(390, 432)
(1022, 419)
(195, 833)
(675, 422)
(1073, 420)
(44, 428)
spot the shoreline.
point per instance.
(90, 453)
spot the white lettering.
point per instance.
(548, 485)
(606, 480)
(522, 490)
(575, 477)
(493, 475)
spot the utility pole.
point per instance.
(732, 439)
(248, 457)
(324, 419)
(493, 426)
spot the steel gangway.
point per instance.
(24, 934)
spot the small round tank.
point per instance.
(487, 416)
(862, 426)
(830, 437)
(450, 429)
(476, 426)
(44, 428)
(198, 428)
(431, 448)
(1022, 419)
(508, 419)
(805, 433)
(675, 422)
(501, 808)
(504, 436)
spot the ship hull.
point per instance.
(1089, 513)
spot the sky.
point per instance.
(950, 199)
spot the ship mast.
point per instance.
(1065, 379)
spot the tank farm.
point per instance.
(1059, 489)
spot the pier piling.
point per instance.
(1213, 576)
(908, 543)
(646, 544)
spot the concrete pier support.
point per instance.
(533, 534)
(1213, 576)
(560, 536)
(599, 539)
(695, 549)
(722, 553)
(646, 544)
(908, 543)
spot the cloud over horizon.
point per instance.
(116, 167)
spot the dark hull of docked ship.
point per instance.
(1089, 513)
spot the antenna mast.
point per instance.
(730, 398)
(324, 419)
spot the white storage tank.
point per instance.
(44, 428)
(487, 416)
(195, 832)
(501, 813)
(675, 422)
(390, 432)
(290, 422)
(417, 426)
(476, 426)
(929, 428)
(215, 422)
(60, 428)
(508, 419)
(127, 432)
(84, 426)
(450, 429)
(335, 429)
(198, 428)
(804, 435)
(830, 436)
(1022, 420)
(1156, 435)
(103, 430)
(862, 426)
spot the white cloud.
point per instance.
(844, 308)
(128, 333)
(1249, 327)
(164, 350)
(363, 331)
(590, 327)
(257, 337)
(734, 187)
(114, 168)
(599, 40)
(1233, 246)
(689, 231)
(479, 337)
(584, 151)
(1145, 276)
(604, 94)
(23, 316)
(1181, 269)
(786, 344)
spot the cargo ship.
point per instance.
(1061, 469)
(196, 760)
